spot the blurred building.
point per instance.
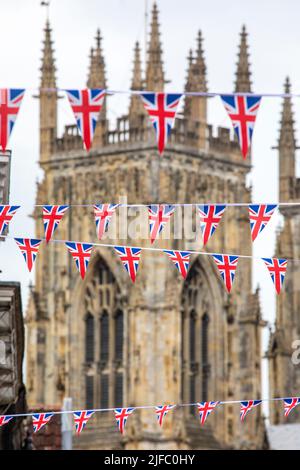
(284, 373)
(12, 390)
(107, 343)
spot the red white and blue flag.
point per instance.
(205, 408)
(52, 215)
(259, 216)
(39, 420)
(80, 419)
(161, 412)
(10, 102)
(242, 111)
(247, 406)
(181, 259)
(29, 248)
(161, 108)
(277, 269)
(121, 415)
(289, 404)
(227, 265)
(159, 215)
(5, 420)
(6, 214)
(103, 214)
(130, 258)
(210, 216)
(86, 105)
(81, 253)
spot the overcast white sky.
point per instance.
(274, 38)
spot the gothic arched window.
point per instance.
(195, 337)
(89, 337)
(104, 340)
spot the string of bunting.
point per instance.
(86, 104)
(159, 215)
(204, 408)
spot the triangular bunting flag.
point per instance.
(161, 108)
(205, 408)
(247, 406)
(242, 111)
(121, 415)
(86, 105)
(103, 214)
(39, 420)
(227, 265)
(210, 216)
(277, 269)
(80, 419)
(81, 253)
(159, 215)
(52, 215)
(289, 404)
(161, 412)
(259, 216)
(130, 258)
(10, 102)
(181, 259)
(29, 248)
(5, 420)
(6, 214)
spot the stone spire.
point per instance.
(195, 108)
(154, 73)
(136, 108)
(287, 148)
(48, 68)
(48, 98)
(243, 74)
(96, 77)
(137, 80)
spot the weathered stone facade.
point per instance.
(105, 341)
(284, 374)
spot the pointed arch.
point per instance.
(201, 304)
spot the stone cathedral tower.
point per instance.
(106, 342)
(284, 374)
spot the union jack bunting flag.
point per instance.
(247, 406)
(289, 404)
(242, 111)
(130, 258)
(10, 102)
(161, 108)
(29, 248)
(210, 216)
(161, 412)
(159, 215)
(81, 253)
(227, 265)
(52, 215)
(277, 269)
(181, 259)
(6, 214)
(103, 213)
(259, 215)
(39, 420)
(80, 419)
(121, 415)
(5, 420)
(205, 408)
(86, 106)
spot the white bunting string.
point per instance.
(146, 407)
(146, 248)
(227, 204)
